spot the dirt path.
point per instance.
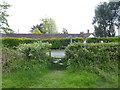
(57, 71)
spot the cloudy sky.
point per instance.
(74, 15)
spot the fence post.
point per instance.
(50, 53)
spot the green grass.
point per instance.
(39, 76)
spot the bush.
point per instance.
(62, 43)
(8, 57)
(104, 39)
(35, 51)
(78, 54)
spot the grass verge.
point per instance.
(35, 75)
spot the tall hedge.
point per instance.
(62, 43)
(104, 39)
(14, 42)
(57, 43)
(84, 54)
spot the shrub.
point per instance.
(8, 57)
(104, 39)
(79, 54)
(35, 51)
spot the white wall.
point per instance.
(91, 36)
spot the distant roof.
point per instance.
(84, 35)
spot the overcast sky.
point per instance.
(74, 15)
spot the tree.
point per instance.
(4, 26)
(39, 27)
(65, 31)
(81, 32)
(47, 25)
(36, 31)
(106, 19)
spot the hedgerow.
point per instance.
(57, 43)
(62, 43)
(104, 39)
(86, 55)
(11, 42)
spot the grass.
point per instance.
(65, 80)
(38, 76)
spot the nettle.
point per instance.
(36, 50)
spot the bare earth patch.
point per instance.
(57, 71)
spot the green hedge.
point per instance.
(78, 54)
(104, 39)
(62, 43)
(57, 43)
(14, 42)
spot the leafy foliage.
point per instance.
(47, 25)
(65, 31)
(14, 42)
(8, 57)
(35, 51)
(99, 58)
(106, 19)
(4, 26)
(36, 31)
(57, 43)
(80, 55)
(104, 39)
(62, 43)
(39, 28)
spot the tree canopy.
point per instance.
(4, 26)
(47, 25)
(65, 31)
(106, 19)
(36, 31)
